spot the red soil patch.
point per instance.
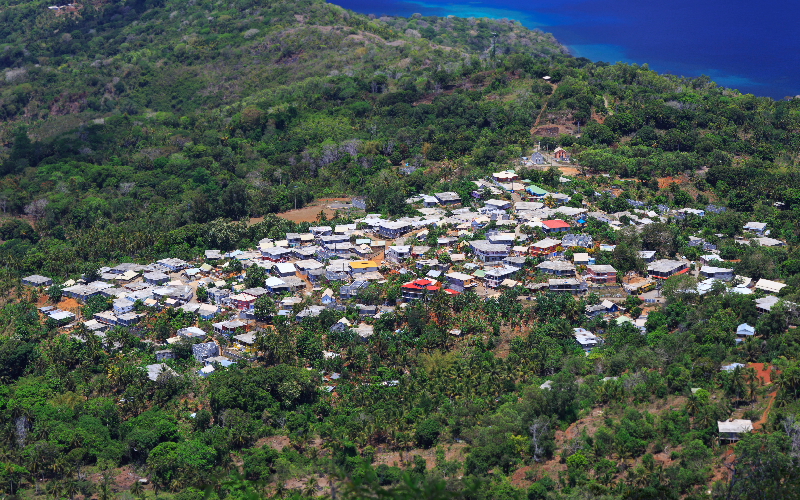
(65, 304)
(664, 182)
(568, 170)
(764, 375)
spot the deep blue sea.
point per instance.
(750, 46)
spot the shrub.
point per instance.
(427, 433)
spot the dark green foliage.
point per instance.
(427, 433)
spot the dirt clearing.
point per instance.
(309, 213)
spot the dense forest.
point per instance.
(138, 130)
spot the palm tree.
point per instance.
(692, 404)
(71, 489)
(704, 419)
(136, 488)
(53, 489)
(752, 389)
(310, 488)
(280, 489)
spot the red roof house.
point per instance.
(417, 289)
(554, 226)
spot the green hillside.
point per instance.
(139, 130)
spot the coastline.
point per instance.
(587, 31)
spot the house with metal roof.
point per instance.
(419, 289)
(448, 198)
(719, 273)
(755, 227)
(547, 247)
(664, 268)
(557, 268)
(489, 252)
(554, 226)
(769, 286)
(495, 276)
(571, 285)
(731, 430)
(36, 280)
(536, 191)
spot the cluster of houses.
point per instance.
(355, 255)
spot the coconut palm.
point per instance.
(310, 488)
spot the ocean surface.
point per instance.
(752, 47)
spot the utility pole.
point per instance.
(295, 196)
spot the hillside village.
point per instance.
(510, 235)
(286, 250)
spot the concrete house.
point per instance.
(276, 254)
(495, 276)
(489, 252)
(498, 204)
(557, 268)
(219, 295)
(155, 278)
(390, 229)
(36, 280)
(459, 281)
(561, 154)
(419, 289)
(154, 370)
(577, 240)
(207, 311)
(243, 301)
(448, 198)
(501, 238)
(122, 306)
(398, 253)
(570, 285)
(284, 269)
(362, 266)
(327, 297)
(547, 247)
(164, 355)
(582, 259)
(601, 273)
(202, 352)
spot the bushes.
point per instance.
(427, 433)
